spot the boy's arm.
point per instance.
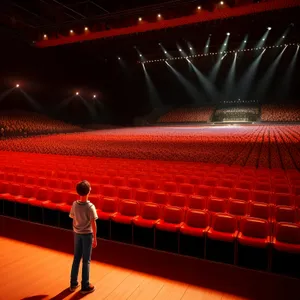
(94, 217)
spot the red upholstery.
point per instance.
(197, 202)
(104, 179)
(287, 237)
(150, 185)
(170, 187)
(43, 194)
(172, 219)
(195, 180)
(254, 233)
(186, 188)
(119, 181)
(141, 195)
(283, 199)
(260, 210)
(261, 196)
(210, 181)
(180, 178)
(221, 192)
(237, 207)
(107, 208)
(149, 216)
(128, 210)
(134, 182)
(241, 194)
(124, 192)
(159, 197)
(196, 223)
(203, 190)
(248, 185)
(29, 191)
(285, 214)
(223, 228)
(109, 191)
(226, 183)
(216, 205)
(177, 199)
(261, 186)
(281, 188)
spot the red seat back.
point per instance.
(224, 223)
(108, 205)
(177, 199)
(237, 207)
(197, 202)
(255, 228)
(259, 210)
(222, 192)
(159, 197)
(197, 218)
(128, 208)
(186, 188)
(150, 211)
(287, 233)
(285, 214)
(173, 215)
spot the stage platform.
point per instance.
(35, 263)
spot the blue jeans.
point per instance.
(83, 249)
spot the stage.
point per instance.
(35, 263)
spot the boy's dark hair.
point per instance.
(83, 188)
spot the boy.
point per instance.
(84, 216)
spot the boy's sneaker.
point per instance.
(88, 289)
(73, 287)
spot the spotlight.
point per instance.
(86, 29)
(222, 2)
(77, 93)
(199, 7)
(71, 31)
(165, 52)
(191, 48)
(180, 50)
(159, 15)
(119, 58)
(17, 85)
(140, 19)
(283, 36)
(263, 39)
(94, 96)
(228, 33)
(141, 55)
(245, 41)
(206, 46)
(45, 36)
(269, 28)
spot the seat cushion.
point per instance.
(221, 236)
(139, 221)
(162, 225)
(253, 242)
(199, 232)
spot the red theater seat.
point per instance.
(177, 199)
(248, 185)
(128, 210)
(211, 181)
(241, 194)
(263, 186)
(150, 185)
(180, 178)
(124, 192)
(285, 214)
(260, 196)
(196, 223)
(287, 237)
(149, 216)
(104, 179)
(260, 210)
(141, 195)
(283, 199)
(195, 180)
(197, 202)
(237, 207)
(134, 183)
(186, 188)
(160, 197)
(282, 188)
(170, 187)
(204, 190)
(223, 228)
(221, 192)
(216, 205)
(107, 208)
(29, 191)
(172, 219)
(254, 233)
(228, 183)
(109, 191)
(43, 194)
(119, 181)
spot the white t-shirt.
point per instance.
(82, 214)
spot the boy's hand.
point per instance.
(94, 245)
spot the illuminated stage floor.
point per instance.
(31, 272)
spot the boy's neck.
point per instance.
(83, 199)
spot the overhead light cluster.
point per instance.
(216, 53)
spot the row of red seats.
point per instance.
(200, 194)
(62, 200)
(230, 146)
